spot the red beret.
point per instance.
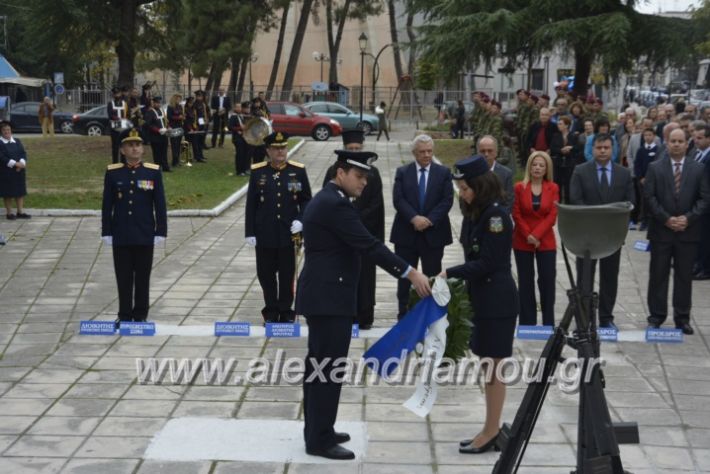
(590, 99)
(599, 101)
(545, 96)
(534, 98)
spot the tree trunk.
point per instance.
(582, 70)
(233, 76)
(126, 46)
(277, 54)
(242, 75)
(296, 50)
(395, 41)
(334, 44)
(210, 80)
(412, 42)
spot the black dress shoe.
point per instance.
(341, 438)
(365, 327)
(471, 449)
(11, 217)
(686, 328)
(334, 452)
(22, 215)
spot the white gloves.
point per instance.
(158, 239)
(251, 241)
(163, 130)
(108, 239)
(296, 227)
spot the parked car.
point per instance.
(296, 120)
(93, 122)
(24, 117)
(348, 119)
(452, 105)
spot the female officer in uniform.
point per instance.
(487, 271)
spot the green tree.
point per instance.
(468, 33)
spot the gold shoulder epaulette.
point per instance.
(256, 166)
(296, 163)
(151, 166)
(114, 166)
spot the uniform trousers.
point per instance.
(328, 338)
(278, 294)
(159, 146)
(241, 154)
(132, 265)
(546, 274)
(366, 292)
(175, 144)
(608, 284)
(218, 124)
(431, 266)
(682, 255)
(115, 146)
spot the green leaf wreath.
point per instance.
(459, 315)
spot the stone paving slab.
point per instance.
(71, 403)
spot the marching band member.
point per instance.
(176, 119)
(155, 128)
(117, 110)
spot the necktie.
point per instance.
(422, 187)
(604, 182)
(698, 155)
(676, 177)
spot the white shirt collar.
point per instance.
(11, 140)
(427, 167)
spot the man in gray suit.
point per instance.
(595, 182)
(488, 147)
(678, 194)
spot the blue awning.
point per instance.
(6, 69)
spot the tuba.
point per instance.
(255, 130)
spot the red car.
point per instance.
(295, 120)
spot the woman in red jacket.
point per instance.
(535, 213)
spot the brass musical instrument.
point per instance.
(256, 129)
(186, 152)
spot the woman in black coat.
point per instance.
(488, 245)
(13, 161)
(564, 151)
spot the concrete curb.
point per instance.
(214, 212)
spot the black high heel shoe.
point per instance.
(471, 449)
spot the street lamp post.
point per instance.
(376, 70)
(362, 40)
(321, 58)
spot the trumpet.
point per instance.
(186, 152)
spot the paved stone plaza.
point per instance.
(71, 403)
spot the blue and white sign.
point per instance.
(642, 245)
(59, 78)
(538, 333)
(97, 328)
(137, 329)
(664, 335)
(283, 330)
(608, 334)
(59, 89)
(231, 328)
(319, 86)
(356, 331)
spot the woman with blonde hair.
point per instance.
(535, 214)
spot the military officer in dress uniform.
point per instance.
(156, 124)
(371, 206)
(327, 294)
(117, 110)
(276, 198)
(133, 220)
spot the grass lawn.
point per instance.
(68, 173)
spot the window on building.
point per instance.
(538, 79)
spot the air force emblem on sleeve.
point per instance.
(495, 225)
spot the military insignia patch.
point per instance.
(495, 225)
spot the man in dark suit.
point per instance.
(371, 205)
(220, 104)
(595, 182)
(422, 195)
(677, 194)
(276, 198)
(488, 147)
(327, 295)
(702, 155)
(133, 219)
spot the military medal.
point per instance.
(120, 195)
